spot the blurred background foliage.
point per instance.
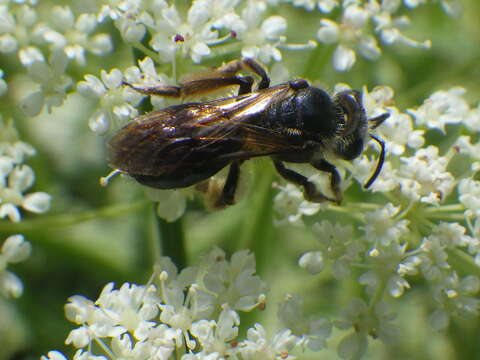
(95, 235)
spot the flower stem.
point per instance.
(171, 240)
(65, 220)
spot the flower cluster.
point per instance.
(206, 24)
(358, 27)
(46, 45)
(16, 178)
(193, 314)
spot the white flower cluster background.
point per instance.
(92, 272)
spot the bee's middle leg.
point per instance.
(310, 190)
(227, 197)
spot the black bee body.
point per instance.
(291, 122)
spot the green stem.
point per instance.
(171, 241)
(378, 294)
(463, 262)
(64, 220)
(317, 61)
(257, 226)
(445, 208)
(347, 210)
(447, 217)
(142, 49)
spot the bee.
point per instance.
(292, 122)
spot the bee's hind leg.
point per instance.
(196, 87)
(249, 64)
(215, 79)
(227, 197)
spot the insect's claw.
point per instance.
(313, 195)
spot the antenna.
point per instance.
(381, 160)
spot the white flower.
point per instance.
(171, 203)
(113, 108)
(464, 145)
(329, 31)
(53, 83)
(116, 102)
(455, 296)
(291, 206)
(74, 36)
(397, 130)
(327, 6)
(20, 179)
(472, 120)
(215, 336)
(324, 6)
(389, 28)
(30, 55)
(350, 33)
(16, 20)
(382, 227)
(53, 355)
(424, 177)
(313, 332)
(364, 321)
(14, 250)
(142, 322)
(129, 309)
(385, 262)
(261, 39)
(17, 178)
(336, 243)
(442, 108)
(387, 179)
(434, 257)
(234, 283)
(191, 37)
(451, 235)
(312, 261)
(343, 58)
(469, 195)
(356, 316)
(134, 307)
(257, 346)
(353, 32)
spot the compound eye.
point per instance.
(349, 103)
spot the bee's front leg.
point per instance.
(310, 191)
(335, 180)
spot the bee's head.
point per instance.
(352, 124)
(353, 127)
